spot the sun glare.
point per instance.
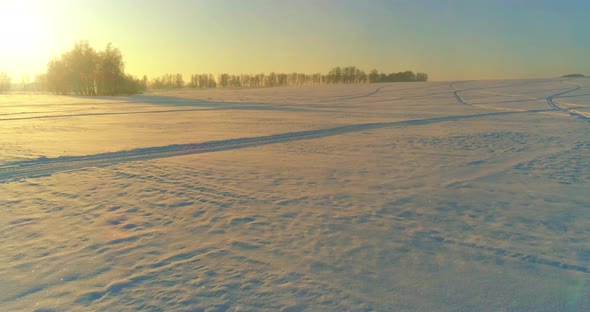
(24, 33)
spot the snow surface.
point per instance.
(462, 196)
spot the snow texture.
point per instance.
(461, 196)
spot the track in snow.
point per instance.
(461, 101)
(351, 97)
(211, 108)
(553, 104)
(456, 93)
(47, 166)
(550, 99)
(518, 256)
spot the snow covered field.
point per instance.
(463, 196)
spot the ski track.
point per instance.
(245, 107)
(461, 101)
(222, 194)
(407, 97)
(553, 104)
(62, 112)
(102, 114)
(48, 166)
(206, 106)
(502, 163)
(551, 100)
(345, 98)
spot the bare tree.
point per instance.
(57, 76)
(349, 74)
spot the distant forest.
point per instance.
(86, 71)
(572, 76)
(337, 75)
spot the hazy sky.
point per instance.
(452, 39)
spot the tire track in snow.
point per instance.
(47, 166)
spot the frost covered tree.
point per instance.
(57, 76)
(110, 71)
(81, 63)
(85, 71)
(5, 81)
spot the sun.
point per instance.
(22, 27)
(23, 32)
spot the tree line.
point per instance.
(86, 71)
(572, 76)
(337, 75)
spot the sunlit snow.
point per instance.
(438, 196)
